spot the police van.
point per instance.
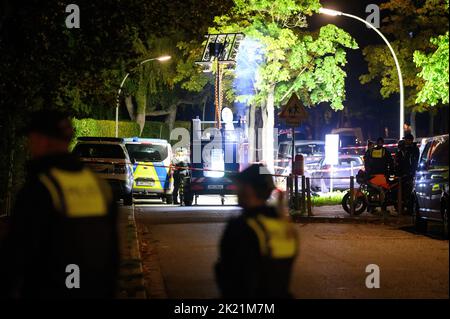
(151, 159)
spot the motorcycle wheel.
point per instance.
(360, 204)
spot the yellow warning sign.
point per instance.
(294, 113)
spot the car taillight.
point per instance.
(196, 187)
(120, 169)
(231, 187)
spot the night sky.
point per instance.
(385, 112)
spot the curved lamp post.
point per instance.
(332, 12)
(161, 59)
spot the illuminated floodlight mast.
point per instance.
(220, 50)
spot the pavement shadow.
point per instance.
(434, 231)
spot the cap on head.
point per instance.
(51, 123)
(409, 137)
(259, 178)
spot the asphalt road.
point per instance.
(331, 263)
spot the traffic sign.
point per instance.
(294, 113)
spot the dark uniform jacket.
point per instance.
(64, 215)
(407, 160)
(257, 251)
(378, 160)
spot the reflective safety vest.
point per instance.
(77, 194)
(277, 238)
(377, 153)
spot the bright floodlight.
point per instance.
(329, 12)
(164, 58)
(227, 115)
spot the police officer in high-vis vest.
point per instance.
(378, 162)
(180, 164)
(63, 240)
(258, 248)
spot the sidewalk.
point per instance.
(131, 280)
(336, 214)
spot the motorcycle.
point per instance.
(374, 191)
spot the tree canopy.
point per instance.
(435, 71)
(410, 25)
(295, 60)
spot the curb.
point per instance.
(400, 221)
(153, 277)
(131, 277)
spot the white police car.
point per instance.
(108, 157)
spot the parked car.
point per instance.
(108, 157)
(348, 165)
(431, 184)
(349, 136)
(313, 151)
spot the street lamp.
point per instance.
(160, 59)
(332, 12)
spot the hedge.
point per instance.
(92, 127)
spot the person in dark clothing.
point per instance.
(180, 165)
(378, 165)
(63, 240)
(412, 153)
(400, 157)
(378, 160)
(258, 248)
(406, 160)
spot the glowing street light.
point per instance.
(332, 12)
(160, 59)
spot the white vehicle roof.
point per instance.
(304, 142)
(139, 140)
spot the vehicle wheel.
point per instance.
(128, 199)
(169, 199)
(420, 224)
(360, 204)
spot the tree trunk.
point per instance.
(412, 122)
(170, 120)
(251, 121)
(130, 107)
(268, 126)
(141, 100)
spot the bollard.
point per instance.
(290, 190)
(287, 185)
(303, 199)
(352, 195)
(400, 197)
(308, 196)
